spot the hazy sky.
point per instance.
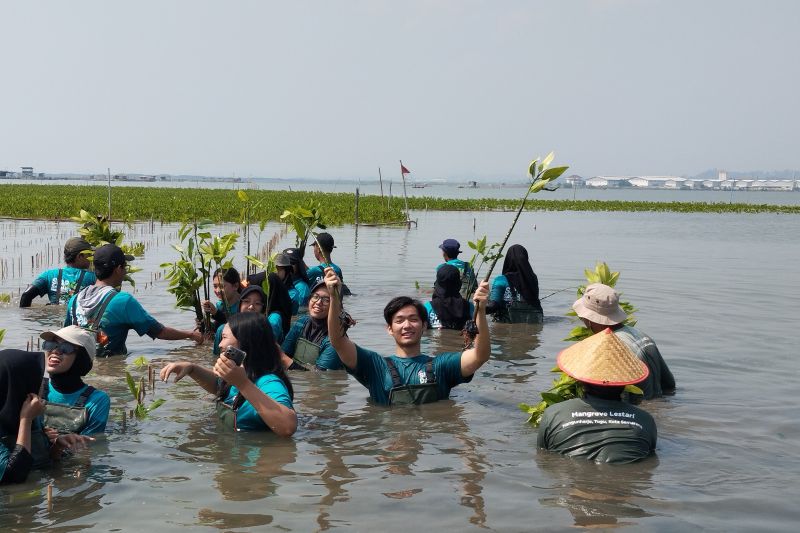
(456, 89)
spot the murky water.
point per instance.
(717, 292)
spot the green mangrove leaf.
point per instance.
(242, 195)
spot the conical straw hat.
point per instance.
(602, 359)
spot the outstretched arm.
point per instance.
(473, 358)
(203, 376)
(340, 342)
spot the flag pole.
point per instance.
(405, 197)
(380, 179)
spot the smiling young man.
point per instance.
(408, 376)
(307, 342)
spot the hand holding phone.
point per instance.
(235, 354)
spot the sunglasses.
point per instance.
(64, 347)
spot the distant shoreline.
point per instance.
(172, 204)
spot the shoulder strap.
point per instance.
(84, 397)
(393, 371)
(73, 312)
(44, 389)
(78, 283)
(58, 285)
(95, 320)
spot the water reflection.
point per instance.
(597, 495)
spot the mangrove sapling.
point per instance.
(139, 391)
(484, 254)
(541, 176)
(246, 219)
(97, 231)
(565, 387)
(214, 250)
(184, 278)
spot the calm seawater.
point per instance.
(718, 293)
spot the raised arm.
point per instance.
(340, 342)
(203, 376)
(473, 358)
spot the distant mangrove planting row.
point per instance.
(59, 202)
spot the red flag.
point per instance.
(404, 170)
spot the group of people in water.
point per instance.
(258, 346)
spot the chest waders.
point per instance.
(408, 394)
(64, 417)
(519, 311)
(93, 325)
(306, 353)
(227, 414)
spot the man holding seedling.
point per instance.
(110, 313)
(323, 248)
(59, 284)
(408, 377)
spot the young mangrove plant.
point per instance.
(304, 220)
(246, 219)
(139, 391)
(541, 176)
(97, 231)
(183, 276)
(564, 387)
(482, 255)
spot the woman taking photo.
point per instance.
(254, 396)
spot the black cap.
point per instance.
(110, 255)
(325, 240)
(294, 255)
(76, 245)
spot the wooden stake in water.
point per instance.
(109, 194)
(50, 497)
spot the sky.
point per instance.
(457, 89)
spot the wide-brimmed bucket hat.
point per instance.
(600, 304)
(74, 335)
(602, 359)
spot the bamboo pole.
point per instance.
(405, 196)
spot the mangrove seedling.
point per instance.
(97, 231)
(184, 278)
(139, 390)
(303, 220)
(541, 176)
(246, 219)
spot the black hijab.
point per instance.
(72, 380)
(520, 275)
(279, 301)
(450, 307)
(20, 373)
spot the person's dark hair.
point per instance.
(83, 363)
(231, 275)
(70, 257)
(257, 341)
(395, 304)
(279, 302)
(104, 271)
(601, 391)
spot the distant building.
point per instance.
(657, 182)
(575, 181)
(606, 182)
(27, 172)
(6, 174)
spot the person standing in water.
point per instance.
(59, 284)
(227, 285)
(515, 292)
(307, 342)
(408, 376)
(110, 313)
(447, 309)
(450, 249)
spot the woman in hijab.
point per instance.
(516, 289)
(447, 308)
(20, 378)
(73, 407)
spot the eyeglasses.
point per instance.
(64, 347)
(317, 298)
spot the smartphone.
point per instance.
(235, 354)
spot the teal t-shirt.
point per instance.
(317, 273)
(433, 320)
(275, 321)
(373, 372)
(97, 407)
(124, 313)
(604, 431)
(47, 283)
(232, 308)
(247, 418)
(328, 358)
(5, 455)
(299, 294)
(501, 291)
